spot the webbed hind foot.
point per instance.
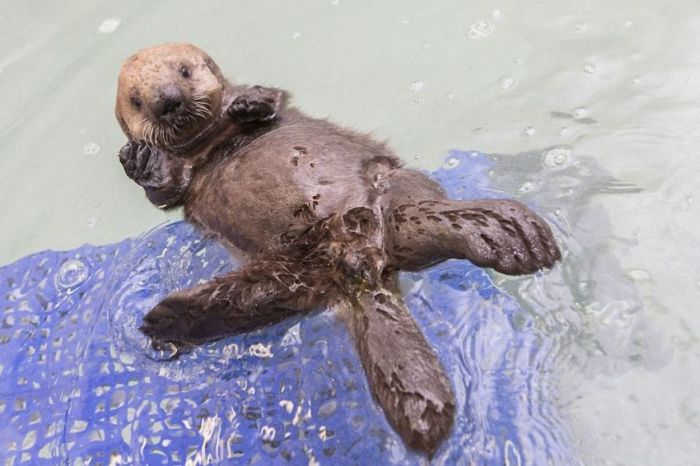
(502, 234)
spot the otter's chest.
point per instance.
(277, 186)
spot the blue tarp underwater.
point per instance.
(79, 384)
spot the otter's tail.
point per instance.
(403, 371)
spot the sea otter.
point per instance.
(325, 215)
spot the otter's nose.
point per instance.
(168, 103)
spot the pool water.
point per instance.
(591, 107)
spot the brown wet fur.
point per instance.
(326, 215)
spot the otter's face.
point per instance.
(167, 94)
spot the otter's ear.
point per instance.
(211, 64)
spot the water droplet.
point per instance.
(296, 35)
(416, 157)
(580, 27)
(480, 30)
(557, 157)
(508, 83)
(530, 131)
(405, 21)
(590, 68)
(450, 96)
(526, 187)
(109, 25)
(91, 148)
(639, 275)
(581, 112)
(451, 162)
(72, 273)
(416, 86)
(496, 14)
(92, 222)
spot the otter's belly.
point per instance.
(282, 182)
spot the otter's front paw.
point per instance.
(145, 165)
(256, 105)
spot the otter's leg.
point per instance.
(501, 234)
(164, 178)
(262, 292)
(255, 104)
(403, 371)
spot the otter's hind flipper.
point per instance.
(404, 373)
(263, 292)
(164, 178)
(501, 234)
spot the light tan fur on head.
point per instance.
(150, 76)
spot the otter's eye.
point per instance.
(136, 103)
(184, 71)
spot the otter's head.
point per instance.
(168, 94)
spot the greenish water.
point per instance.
(613, 84)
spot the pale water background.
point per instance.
(612, 88)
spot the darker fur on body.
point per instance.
(327, 215)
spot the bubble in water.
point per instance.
(558, 157)
(91, 148)
(526, 187)
(72, 273)
(109, 25)
(530, 131)
(508, 83)
(451, 162)
(480, 30)
(581, 112)
(416, 86)
(296, 35)
(590, 68)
